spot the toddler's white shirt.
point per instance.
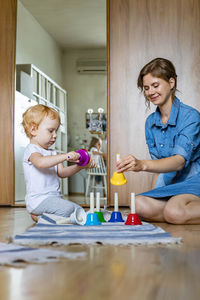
(95, 157)
(40, 183)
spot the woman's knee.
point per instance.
(175, 214)
(142, 206)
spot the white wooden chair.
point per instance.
(92, 173)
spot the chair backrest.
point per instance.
(100, 169)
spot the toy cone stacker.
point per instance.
(118, 178)
(78, 217)
(92, 218)
(133, 218)
(84, 157)
(116, 216)
(98, 211)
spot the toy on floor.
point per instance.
(77, 217)
(84, 157)
(116, 216)
(98, 210)
(118, 178)
(92, 218)
(133, 218)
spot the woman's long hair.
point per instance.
(161, 68)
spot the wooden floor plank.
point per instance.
(108, 272)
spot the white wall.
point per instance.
(36, 46)
(84, 91)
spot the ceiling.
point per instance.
(72, 23)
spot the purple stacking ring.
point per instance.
(84, 157)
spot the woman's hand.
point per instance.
(130, 163)
(163, 165)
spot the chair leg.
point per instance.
(105, 185)
(87, 185)
(93, 183)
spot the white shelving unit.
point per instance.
(43, 90)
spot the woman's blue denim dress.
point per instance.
(180, 135)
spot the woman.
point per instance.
(173, 138)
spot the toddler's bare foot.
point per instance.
(34, 218)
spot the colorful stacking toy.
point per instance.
(116, 216)
(98, 210)
(78, 216)
(84, 157)
(92, 218)
(133, 218)
(118, 178)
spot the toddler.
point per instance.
(95, 150)
(43, 166)
(96, 153)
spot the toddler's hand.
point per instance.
(73, 156)
(91, 164)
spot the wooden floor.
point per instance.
(108, 272)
